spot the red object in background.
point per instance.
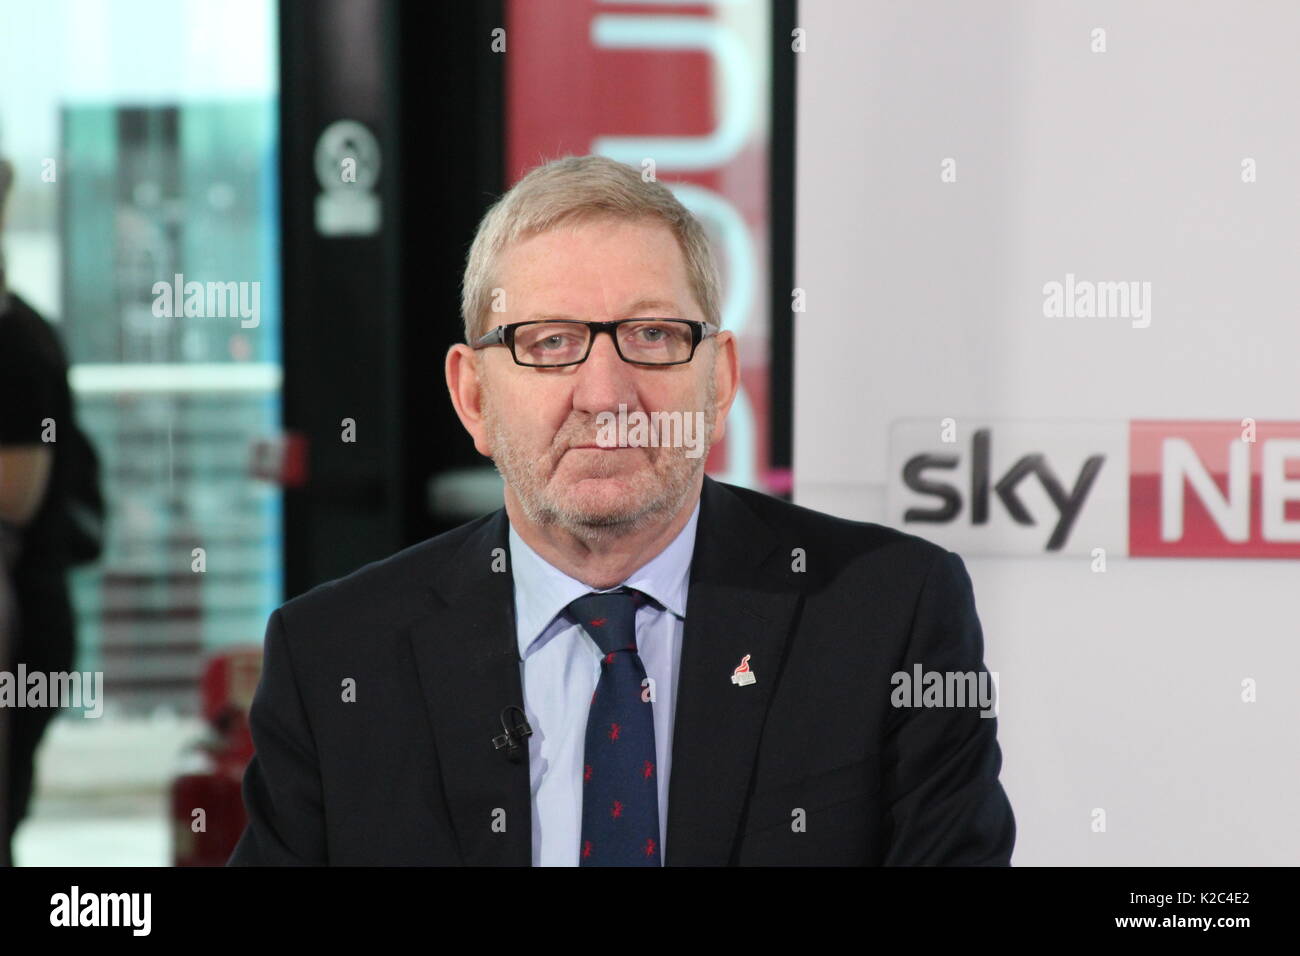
(207, 807)
(674, 73)
(282, 460)
(1212, 444)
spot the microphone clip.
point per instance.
(515, 730)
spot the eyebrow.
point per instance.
(664, 309)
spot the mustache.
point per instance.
(585, 439)
(575, 434)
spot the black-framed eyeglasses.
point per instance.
(554, 343)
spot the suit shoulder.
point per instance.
(844, 538)
(388, 590)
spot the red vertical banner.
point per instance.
(688, 87)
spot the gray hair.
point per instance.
(575, 188)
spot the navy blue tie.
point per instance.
(620, 790)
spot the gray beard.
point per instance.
(677, 481)
(610, 527)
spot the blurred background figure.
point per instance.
(46, 465)
(8, 556)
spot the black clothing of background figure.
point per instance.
(33, 388)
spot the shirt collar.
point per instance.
(543, 591)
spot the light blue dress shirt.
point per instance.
(559, 667)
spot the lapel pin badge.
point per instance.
(742, 675)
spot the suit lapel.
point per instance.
(734, 608)
(467, 659)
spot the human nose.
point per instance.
(604, 380)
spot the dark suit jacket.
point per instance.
(407, 773)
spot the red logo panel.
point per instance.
(1204, 489)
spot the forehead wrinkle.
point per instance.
(660, 300)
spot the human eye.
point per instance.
(554, 342)
(648, 333)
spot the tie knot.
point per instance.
(609, 617)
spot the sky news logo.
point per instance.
(1171, 489)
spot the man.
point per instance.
(34, 483)
(705, 670)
